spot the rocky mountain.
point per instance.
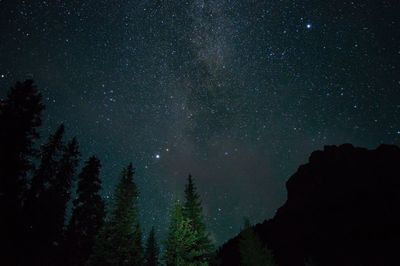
(343, 208)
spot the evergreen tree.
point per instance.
(47, 200)
(252, 252)
(87, 215)
(20, 116)
(44, 175)
(181, 245)
(117, 241)
(38, 206)
(60, 193)
(152, 251)
(194, 212)
(138, 253)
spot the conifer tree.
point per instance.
(152, 251)
(181, 245)
(20, 116)
(193, 210)
(138, 252)
(252, 252)
(87, 215)
(47, 200)
(60, 192)
(50, 155)
(38, 205)
(117, 243)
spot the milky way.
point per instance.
(238, 93)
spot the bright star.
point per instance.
(157, 156)
(309, 26)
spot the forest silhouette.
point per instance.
(342, 207)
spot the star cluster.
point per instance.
(238, 93)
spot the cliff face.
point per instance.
(343, 208)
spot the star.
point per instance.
(231, 95)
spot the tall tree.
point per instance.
(20, 116)
(50, 154)
(193, 210)
(118, 239)
(38, 205)
(48, 198)
(60, 193)
(152, 251)
(87, 214)
(252, 251)
(138, 253)
(181, 245)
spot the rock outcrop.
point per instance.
(343, 208)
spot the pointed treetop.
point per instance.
(72, 147)
(130, 171)
(93, 160)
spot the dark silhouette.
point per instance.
(152, 251)
(38, 204)
(138, 252)
(252, 251)
(47, 200)
(118, 240)
(60, 192)
(342, 209)
(87, 215)
(20, 117)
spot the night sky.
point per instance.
(238, 93)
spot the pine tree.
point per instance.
(47, 200)
(20, 116)
(38, 205)
(252, 252)
(194, 212)
(138, 253)
(152, 251)
(182, 241)
(117, 243)
(60, 193)
(45, 174)
(87, 215)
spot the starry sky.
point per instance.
(238, 93)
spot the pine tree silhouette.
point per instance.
(47, 200)
(117, 243)
(38, 204)
(87, 215)
(138, 253)
(20, 116)
(60, 192)
(152, 251)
